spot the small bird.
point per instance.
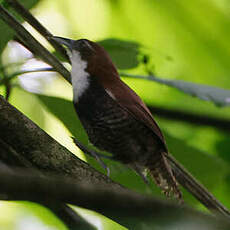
(113, 115)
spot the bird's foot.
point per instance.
(94, 154)
(141, 172)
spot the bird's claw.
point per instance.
(94, 154)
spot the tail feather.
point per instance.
(163, 176)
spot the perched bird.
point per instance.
(113, 115)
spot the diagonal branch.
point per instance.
(27, 16)
(33, 44)
(196, 189)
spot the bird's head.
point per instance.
(90, 56)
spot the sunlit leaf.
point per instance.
(205, 167)
(220, 97)
(41, 216)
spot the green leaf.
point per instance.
(43, 215)
(208, 169)
(220, 97)
(123, 53)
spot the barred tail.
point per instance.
(160, 169)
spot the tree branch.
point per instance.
(24, 144)
(33, 44)
(69, 217)
(130, 209)
(27, 16)
(197, 119)
(196, 188)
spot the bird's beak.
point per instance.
(64, 41)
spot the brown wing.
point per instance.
(131, 102)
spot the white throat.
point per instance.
(79, 76)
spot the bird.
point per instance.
(114, 117)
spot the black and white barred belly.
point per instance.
(113, 129)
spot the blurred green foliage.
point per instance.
(182, 40)
(123, 53)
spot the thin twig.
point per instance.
(8, 89)
(12, 64)
(196, 188)
(17, 73)
(33, 44)
(194, 118)
(27, 16)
